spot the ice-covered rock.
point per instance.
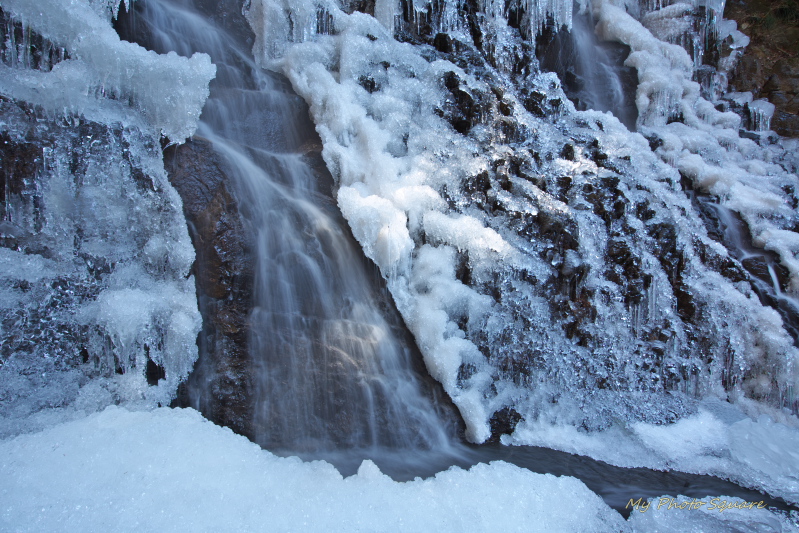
(96, 302)
(168, 90)
(549, 264)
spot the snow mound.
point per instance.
(171, 470)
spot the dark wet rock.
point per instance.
(599, 157)
(560, 229)
(503, 422)
(723, 264)
(769, 67)
(443, 43)
(363, 6)
(368, 83)
(467, 107)
(154, 372)
(536, 104)
(478, 183)
(655, 142)
(782, 90)
(19, 163)
(223, 274)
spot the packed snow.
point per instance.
(172, 470)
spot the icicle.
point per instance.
(386, 13)
(449, 18)
(760, 113)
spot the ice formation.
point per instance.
(281, 23)
(96, 302)
(548, 263)
(704, 144)
(168, 90)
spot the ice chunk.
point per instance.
(167, 89)
(379, 227)
(695, 436)
(760, 112)
(279, 23)
(768, 447)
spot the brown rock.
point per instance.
(770, 65)
(221, 382)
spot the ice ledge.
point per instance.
(168, 90)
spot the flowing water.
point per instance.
(768, 278)
(335, 375)
(329, 371)
(592, 72)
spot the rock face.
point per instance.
(782, 90)
(220, 385)
(770, 65)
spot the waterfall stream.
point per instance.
(334, 373)
(329, 369)
(592, 71)
(767, 276)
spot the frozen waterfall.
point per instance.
(538, 226)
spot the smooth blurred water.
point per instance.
(592, 72)
(331, 368)
(767, 276)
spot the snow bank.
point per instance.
(171, 470)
